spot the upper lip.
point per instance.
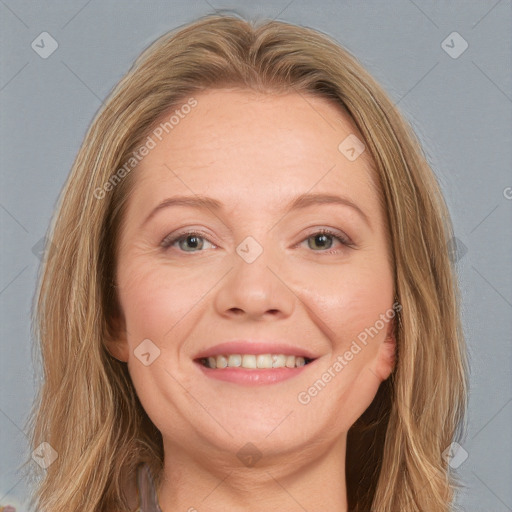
(255, 347)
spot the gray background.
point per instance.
(460, 108)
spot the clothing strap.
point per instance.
(148, 499)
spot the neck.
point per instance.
(195, 482)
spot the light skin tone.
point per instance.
(255, 154)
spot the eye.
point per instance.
(194, 239)
(322, 239)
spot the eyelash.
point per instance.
(169, 241)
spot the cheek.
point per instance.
(157, 303)
(352, 301)
(349, 306)
(155, 300)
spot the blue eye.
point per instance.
(196, 241)
(194, 238)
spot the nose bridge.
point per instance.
(252, 285)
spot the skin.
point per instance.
(254, 153)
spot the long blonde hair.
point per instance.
(87, 408)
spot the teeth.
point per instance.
(221, 362)
(252, 361)
(248, 361)
(264, 361)
(278, 361)
(234, 360)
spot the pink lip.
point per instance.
(252, 377)
(254, 347)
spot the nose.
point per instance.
(257, 289)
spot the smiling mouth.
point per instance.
(253, 361)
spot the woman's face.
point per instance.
(257, 277)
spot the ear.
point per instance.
(386, 357)
(116, 341)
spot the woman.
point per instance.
(202, 348)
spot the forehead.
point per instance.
(240, 145)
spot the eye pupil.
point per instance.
(195, 241)
(321, 238)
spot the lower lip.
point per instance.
(252, 377)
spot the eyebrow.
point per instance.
(300, 202)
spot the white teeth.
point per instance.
(251, 361)
(248, 361)
(235, 360)
(264, 361)
(278, 361)
(222, 362)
